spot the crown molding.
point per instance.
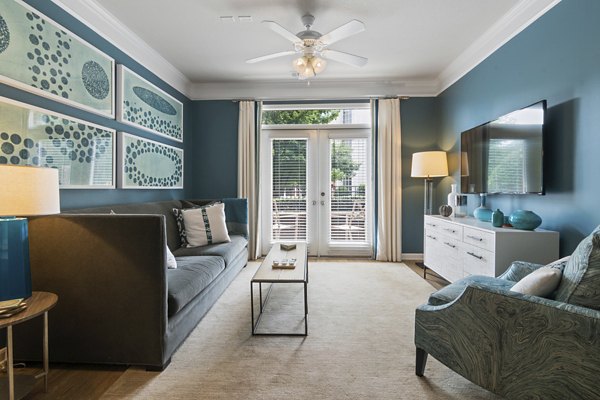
(509, 26)
(317, 90)
(110, 28)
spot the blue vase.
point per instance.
(525, 219)
(482, 212)
(498, 218)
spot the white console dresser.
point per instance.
(458, 247)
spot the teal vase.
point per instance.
(525, 219)
(482, 212)
(498, 218)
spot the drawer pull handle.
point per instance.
(428, 224)
(475, 238)
(431, 237)
(475, 255)
(450, 230)
(450, 244)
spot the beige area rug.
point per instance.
(360, 344)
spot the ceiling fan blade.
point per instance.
(351, 28)
(345, 58)
(270, 56)
(275, 27)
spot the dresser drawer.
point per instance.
(479, 238)
(432, 224)
(434, 256)
(478, 261)
(452, 230)
(451, 248)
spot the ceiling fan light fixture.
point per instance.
(312, 45)
(318, 64)
(308, 66)
(300, 64)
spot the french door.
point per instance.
(316, 187)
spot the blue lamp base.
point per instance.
(15, 273)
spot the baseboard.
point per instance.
(412, 256)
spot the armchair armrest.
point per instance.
(518, 270)
(515, 345)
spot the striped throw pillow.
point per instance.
(205, 225)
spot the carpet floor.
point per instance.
(360, 344)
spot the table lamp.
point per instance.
(429, 164)
(24, 191)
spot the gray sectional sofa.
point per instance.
(118, 302)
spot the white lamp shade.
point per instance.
(429, 164)
(28, 191)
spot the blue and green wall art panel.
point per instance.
(146, 164)
(83, 153)
(143, 105)
(42, 57)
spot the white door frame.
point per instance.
(318, 180)
(325, 246)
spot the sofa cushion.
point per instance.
(540, 282)
(192, 276)
(229, 251)
(452, 291)
(171, 261)
(180, 226)
(580, 284)
(205, 225)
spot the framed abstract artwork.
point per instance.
(83, 153)
(142, 104)
(42, 57)
(146, 164)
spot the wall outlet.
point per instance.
(3, 355)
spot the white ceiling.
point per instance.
(414, 47)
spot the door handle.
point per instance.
(322, 202)
(314, 202)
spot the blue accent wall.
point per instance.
(556, 58)
(96, 197)
(420, 131)
(213, 155)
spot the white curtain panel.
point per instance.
(389, 182)
(247, 172)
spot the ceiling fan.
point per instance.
(314, 47)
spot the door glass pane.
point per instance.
(348, 173)
(288, 201)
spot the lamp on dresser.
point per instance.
(25, 191)
(428, 165)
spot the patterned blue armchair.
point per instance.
(515, 345)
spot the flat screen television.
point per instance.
(505, 156)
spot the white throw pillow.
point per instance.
(205, 225)
(541, 282)
(171, 261)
